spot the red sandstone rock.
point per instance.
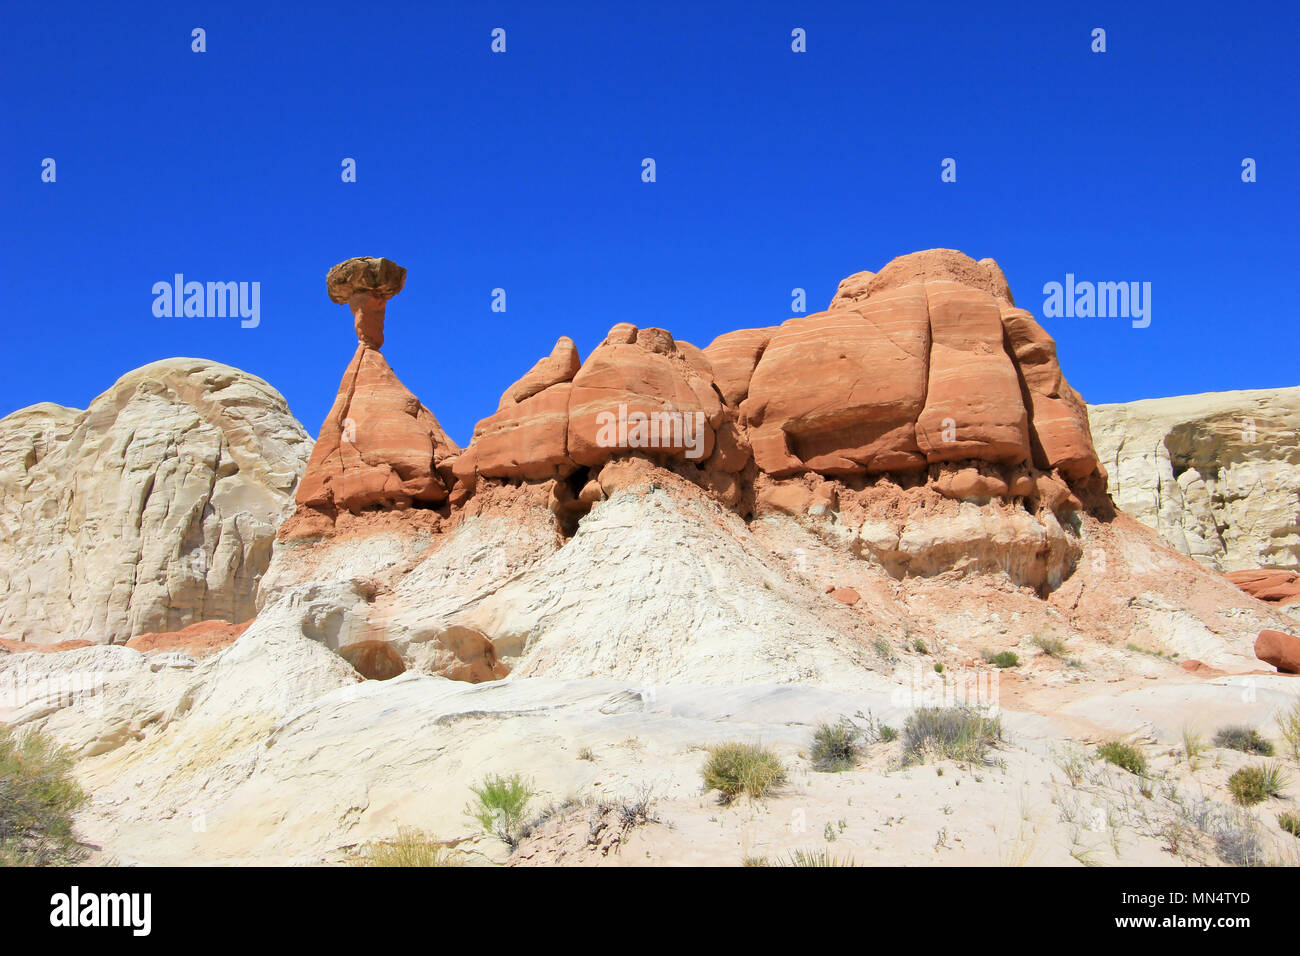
(365, 285)
(560, 366)
(378, 445)
(733, 357)
(1059, 433)
(197, 640)
(1280, 587)
(374, 660)
(846, 596)
(641, 397)
(973, 405)
(970, 482)
(840, 392)
(851, 291)
(528, 440)
(1279, 649)
(941, 265)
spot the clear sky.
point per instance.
(523, 170)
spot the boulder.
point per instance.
(1279, 649)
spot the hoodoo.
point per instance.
(924, 372)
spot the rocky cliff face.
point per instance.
(149, 511)
(1217, 475)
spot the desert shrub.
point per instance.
(1289, 822)
(38, 796)
(954, 733)
(736, 768)
(918, 645)
(816, 858)
(1193, 744)
(887, 734)
(1252, 785)
(1051, 646)
(1125, 756)
(1245, 739)
(499, 804)
(835, 747)
(1288, 722)
(411, 847)
(1003, 660)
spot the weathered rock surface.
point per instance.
(377, 447)
(197, 640)
(1217, 475)
(1276, 587)
(153, 509)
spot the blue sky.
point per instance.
(522, 171)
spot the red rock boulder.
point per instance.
(1279, 649)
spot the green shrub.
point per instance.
(887, 734)
(1051, 646)
(1252, 785)
(1124, 756)
(499, 804)
(410, 848)
(1003, 660)
(1289, 822)
(918, 645)
(735, 768)
(835, 747)
(1245, 739)
(953, 733)
(37, 799)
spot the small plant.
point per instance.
(835, 747)
(1125, 756)
(1245, 739)
(735, 768)
(887, 734)
(1051, 646)
(1002, 660)
(411, 847)
(816, 858)
(1289, 822)
(918, 645)
(38, 796)
(954, 733)
(754, 861)
(1193, 744)
(499, 805)
(1288, 722)
(1252, 785)
(938, 668)
(586, 753)
(828, 834)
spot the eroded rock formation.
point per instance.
(1217, 475)
(925, 371)
(151, 510)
